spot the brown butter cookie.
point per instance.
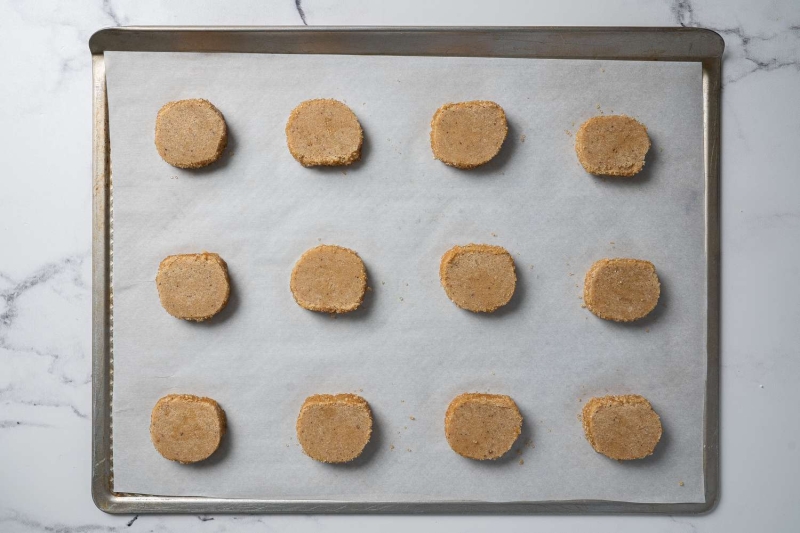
(478, 277)
(482, 426)
(468, 134)
(329, 279)
(622, 290)
(334, 428)
(612, 145)
(621, 427)
(190, 133)
(187, 428)
(324, 132)
(193, 286)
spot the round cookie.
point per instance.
(612, 145)
(468, 134)
(621, 427)
(193, 286)
(622, 290)
(324, 132)
(334, 428)
(482, 426)
(478, 277)
(329, 279)
(187, 428)
(190, 133)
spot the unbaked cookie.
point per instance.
(190, 133)
(478, 277)
(334, 428)
(329, 279)
(187, 428)
(468, 134)
(324, 132)
(622, 290)
(621, 427)
(482, 426)
(612, 145)
(193, 286)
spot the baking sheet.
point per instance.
(410, 350)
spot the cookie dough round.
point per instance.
(329, 279)
(193, 286)
(324, 132)
(612, 145)
(190, 133)
(482, 426)
(621, 290)
(334, 428)
(468, 134)
(187, 428)
(621, 427)
(478, 277)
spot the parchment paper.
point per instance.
(409, 351)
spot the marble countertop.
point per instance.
(45, 267)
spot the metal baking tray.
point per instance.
(639, 44)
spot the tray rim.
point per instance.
(614, 43)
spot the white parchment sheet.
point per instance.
(409, 351)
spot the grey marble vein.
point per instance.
(43, 275)
(688, 525)
(745, 53)
(15, 424)
(13, 521)
(59, 350)
(109, 9)
(299, 7)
